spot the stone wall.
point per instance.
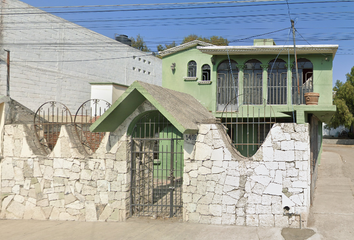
(67, 184)
(222, 187)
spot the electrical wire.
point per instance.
(174, 8)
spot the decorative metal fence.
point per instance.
(248, 125)
(48, 121)
(51, 116)
(87, 114)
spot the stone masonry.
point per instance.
(67, 184)
(222, 187)
(219, 187)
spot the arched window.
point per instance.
(305, 83)
(252, 82)
(192, 69)
(227, 85)
(277, 82)
(206, 72)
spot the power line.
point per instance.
(173, 8)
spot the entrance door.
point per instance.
(156, 168)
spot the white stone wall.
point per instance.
(53, 59)
(222, 187)
(66, 185)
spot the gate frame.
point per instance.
(171, 153)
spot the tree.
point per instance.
(167, 46)
(216, 40)
(344, 101)
(139, 44)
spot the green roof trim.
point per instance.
(181, 109)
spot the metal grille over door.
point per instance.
(156, 168)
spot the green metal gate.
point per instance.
(156, 168)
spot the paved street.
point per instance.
(333, 207)
(332, 215)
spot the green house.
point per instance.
(251, 87)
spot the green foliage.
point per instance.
(167, 46)
(216, 40)
(344, 101)
(139, 43)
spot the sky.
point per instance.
(165, 21)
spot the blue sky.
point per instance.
(317, 22)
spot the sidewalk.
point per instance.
(333, 208)
(131, 229)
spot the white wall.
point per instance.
(53, 59)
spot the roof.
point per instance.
(183, 47)
(181, 109)
(109, 83)
(268, 49)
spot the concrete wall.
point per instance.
(333, 132)
(53, 59)
(222, 187)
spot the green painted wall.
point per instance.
(206, 94)
(175, 79)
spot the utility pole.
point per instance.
(296, 69)
(8, 73)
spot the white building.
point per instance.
(54, 59)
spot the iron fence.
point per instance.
(87, 114)
(51, 116)
(248, 126)
(48, 120)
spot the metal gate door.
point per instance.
(156, 168)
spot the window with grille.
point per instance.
(277, 82)
(192, 69)
(252, 82)
(206, 72)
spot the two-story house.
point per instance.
(257, 85)
(177, 142)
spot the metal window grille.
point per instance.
(156, 168)
(192, 69)
(206, 72)
(277, 82)
(227, 85)
(253, 83)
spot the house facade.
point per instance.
(261, 74)
(54, 59)
(251, 87)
